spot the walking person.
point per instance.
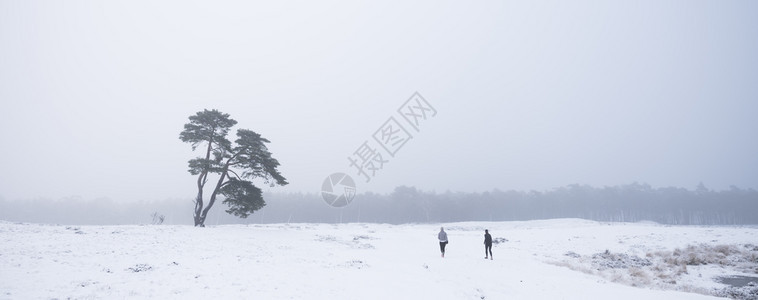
(442, 236)
(487, 244)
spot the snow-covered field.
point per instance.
(550, 259)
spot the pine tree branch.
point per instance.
(235, 174)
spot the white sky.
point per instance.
(530, 94)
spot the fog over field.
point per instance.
(628, 203)
(528, 95)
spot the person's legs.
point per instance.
(488, 248)
(442, 248)
(485, 251)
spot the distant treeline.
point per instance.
(627, 203)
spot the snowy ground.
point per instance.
(350, 261)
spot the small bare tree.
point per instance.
(157, 219)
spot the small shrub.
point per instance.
(725, 250)
(499, 240)
(140, 268)
(640, 275)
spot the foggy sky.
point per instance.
(529, 94)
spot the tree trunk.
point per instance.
(199, 203)
(213, 199)
(199, 215)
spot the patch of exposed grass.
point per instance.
(665, 269)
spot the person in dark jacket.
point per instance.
(487, 244)
(442, 236)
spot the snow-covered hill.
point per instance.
(550, 259)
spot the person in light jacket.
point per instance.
(442, 236)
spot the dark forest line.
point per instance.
(627, 203)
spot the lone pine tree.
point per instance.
(236, 165)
